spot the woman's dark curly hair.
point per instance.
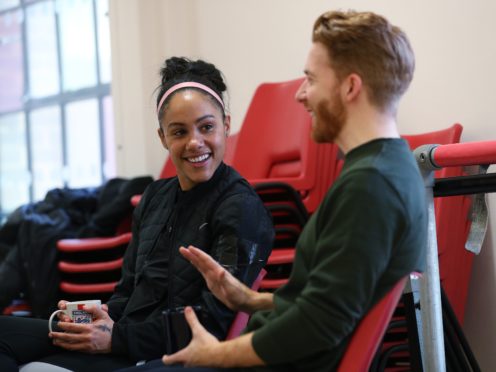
(180, 69)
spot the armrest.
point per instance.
(92, 244)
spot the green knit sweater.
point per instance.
(368, 233)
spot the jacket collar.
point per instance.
(220, 175)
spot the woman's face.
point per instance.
(193, 131)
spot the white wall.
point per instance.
(253, 41)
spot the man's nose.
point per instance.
(301, 92)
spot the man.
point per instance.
(370, 229)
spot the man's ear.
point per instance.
(161, 135)
(352, 87)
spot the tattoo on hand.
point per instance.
(104, 328)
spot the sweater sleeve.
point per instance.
(351, 242)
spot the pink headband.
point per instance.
(188, 84)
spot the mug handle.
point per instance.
(50, 320)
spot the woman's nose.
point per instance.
(195, 140)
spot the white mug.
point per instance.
(75, 311)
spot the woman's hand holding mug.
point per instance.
(75, 311)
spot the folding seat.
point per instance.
(368, 334)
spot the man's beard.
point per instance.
(328, 122)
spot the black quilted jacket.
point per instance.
(224, 217)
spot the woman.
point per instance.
(208, 205)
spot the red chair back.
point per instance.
(367, 336)
(274, 137)
(274, 143)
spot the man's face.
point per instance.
(320, 94)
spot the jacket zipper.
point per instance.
(170, 284)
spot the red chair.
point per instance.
(367, 336)
(91, 267)
(274, 143)
(289, 217)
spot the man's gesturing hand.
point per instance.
(223, 285)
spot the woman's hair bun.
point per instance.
(174, 67)
(179, 69)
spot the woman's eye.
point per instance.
(178, 133)
(207, 127)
